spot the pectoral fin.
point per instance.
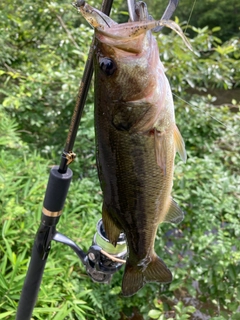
(179, 144)
(112, 230)
(175, 214)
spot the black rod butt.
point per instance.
(57, 189)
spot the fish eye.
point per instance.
(108, 66)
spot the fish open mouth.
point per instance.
(106, 28)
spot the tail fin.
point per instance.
(135, 277)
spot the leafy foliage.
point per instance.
(44, 48)
(211, 13)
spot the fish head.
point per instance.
(125, 55)
(125, 66)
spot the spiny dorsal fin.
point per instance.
(179, 144)
(175, 214)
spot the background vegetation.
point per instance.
(44, 47)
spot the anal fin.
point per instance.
(175, 213)
(112, 230)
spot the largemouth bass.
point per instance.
(136, 141)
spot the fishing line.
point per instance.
(200, 110)
(190, 15)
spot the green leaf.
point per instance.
(154, 314)
(4, 315)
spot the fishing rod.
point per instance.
(98, 266)
(102, 259)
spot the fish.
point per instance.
(136, 141)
